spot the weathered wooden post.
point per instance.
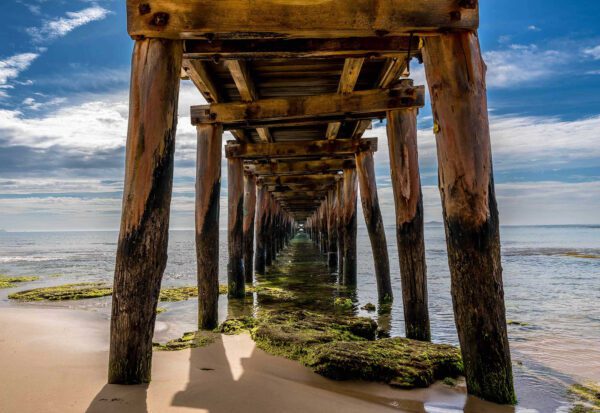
(144, 234)
(456, 77)
(331, 228)
(261, 214)
(408, 199)
(365, 167)
(235, 266)
(208, 194)
(268, 229)
(340, 225)
(249, 213)
(350, 189)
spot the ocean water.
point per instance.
(551, 283)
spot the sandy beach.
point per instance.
(54, 360)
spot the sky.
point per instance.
(64, 75)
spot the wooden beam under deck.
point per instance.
(295, 167)
(224, 19)
(336, 147)
(246, 49)
(282, 111)
(299, 179)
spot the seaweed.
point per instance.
(63, 292)
(10, 282)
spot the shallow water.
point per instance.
(551, 294)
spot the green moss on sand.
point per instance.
(160, 310)
(192, 339)
(63, 292)
(369, 307)
(588, 398)
(9, 282)
(237, 325)
(186, 293)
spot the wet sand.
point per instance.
(54, 360)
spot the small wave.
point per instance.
(29, 258)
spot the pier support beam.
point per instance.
(350, 189)
(408, 199)
(249, 213)
(332, 228)
(261, 230)
(340, 225)
(456, 77)
(143, 238)
(365, 167)
(208, 194)
(235, 266)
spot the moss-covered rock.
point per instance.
(369, 307)
(237, 325)
(193, 339)
(9, 282)
(587, 398)
(293, 334)
(343, 303)
(398, 361)
(178, 293)
(63, 292)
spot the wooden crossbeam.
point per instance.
(337, 147)
(300, 196)
(357, 47)
(281, 111)
(241, 76)
(299, 179)
(210, 19)
(307, 186)
(348, 80)
(294, 167)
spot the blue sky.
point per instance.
(64, 73)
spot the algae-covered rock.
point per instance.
(369, 307)
(193, 339)
(588, 398)
(343, 303)
(63, 292)
(238, 325)
(178, 293)
(293, 334)
(398, 361)
(9, 282)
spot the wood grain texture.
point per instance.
(143, 238)
(249, 215)
(408, 201)
(261, 229)
(291, 110)
(365, 167)
(298, 167)
(235, 195)
(456, 77)
(338, 147)
(350, 198)
(184, 19)
(208, 195)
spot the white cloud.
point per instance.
(593, 52)
(520, 64)
(52, 29)
(11, 67)
(533, 28)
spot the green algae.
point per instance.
(369, 307)
(400, 362)
(343, 303)
(588, 398)
(517, 323)
(63, 292)
(160, 310)
(178, 293)
(450, 381)
(193, 339)
(10, 282)
(574, 254)
(238, 325)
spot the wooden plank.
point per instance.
(240, 73)
(209, 19)
(357, 47)
(299, 149)
(293, 167)
(143, 238)
(300, 179)
(348, 81)
(369, 103)
(456, 76)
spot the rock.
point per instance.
(63, 292)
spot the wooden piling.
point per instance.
(143, 238)
(249, 213)
(350, 189)
(408, 199)
(365, 167)
(260, 228)
(340, 225)
(332, 228)
(235, 266)
(456, 77)
(208, 194)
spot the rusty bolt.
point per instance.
(160, 19)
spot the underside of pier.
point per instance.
(297, 84)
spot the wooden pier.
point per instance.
(297, 83)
